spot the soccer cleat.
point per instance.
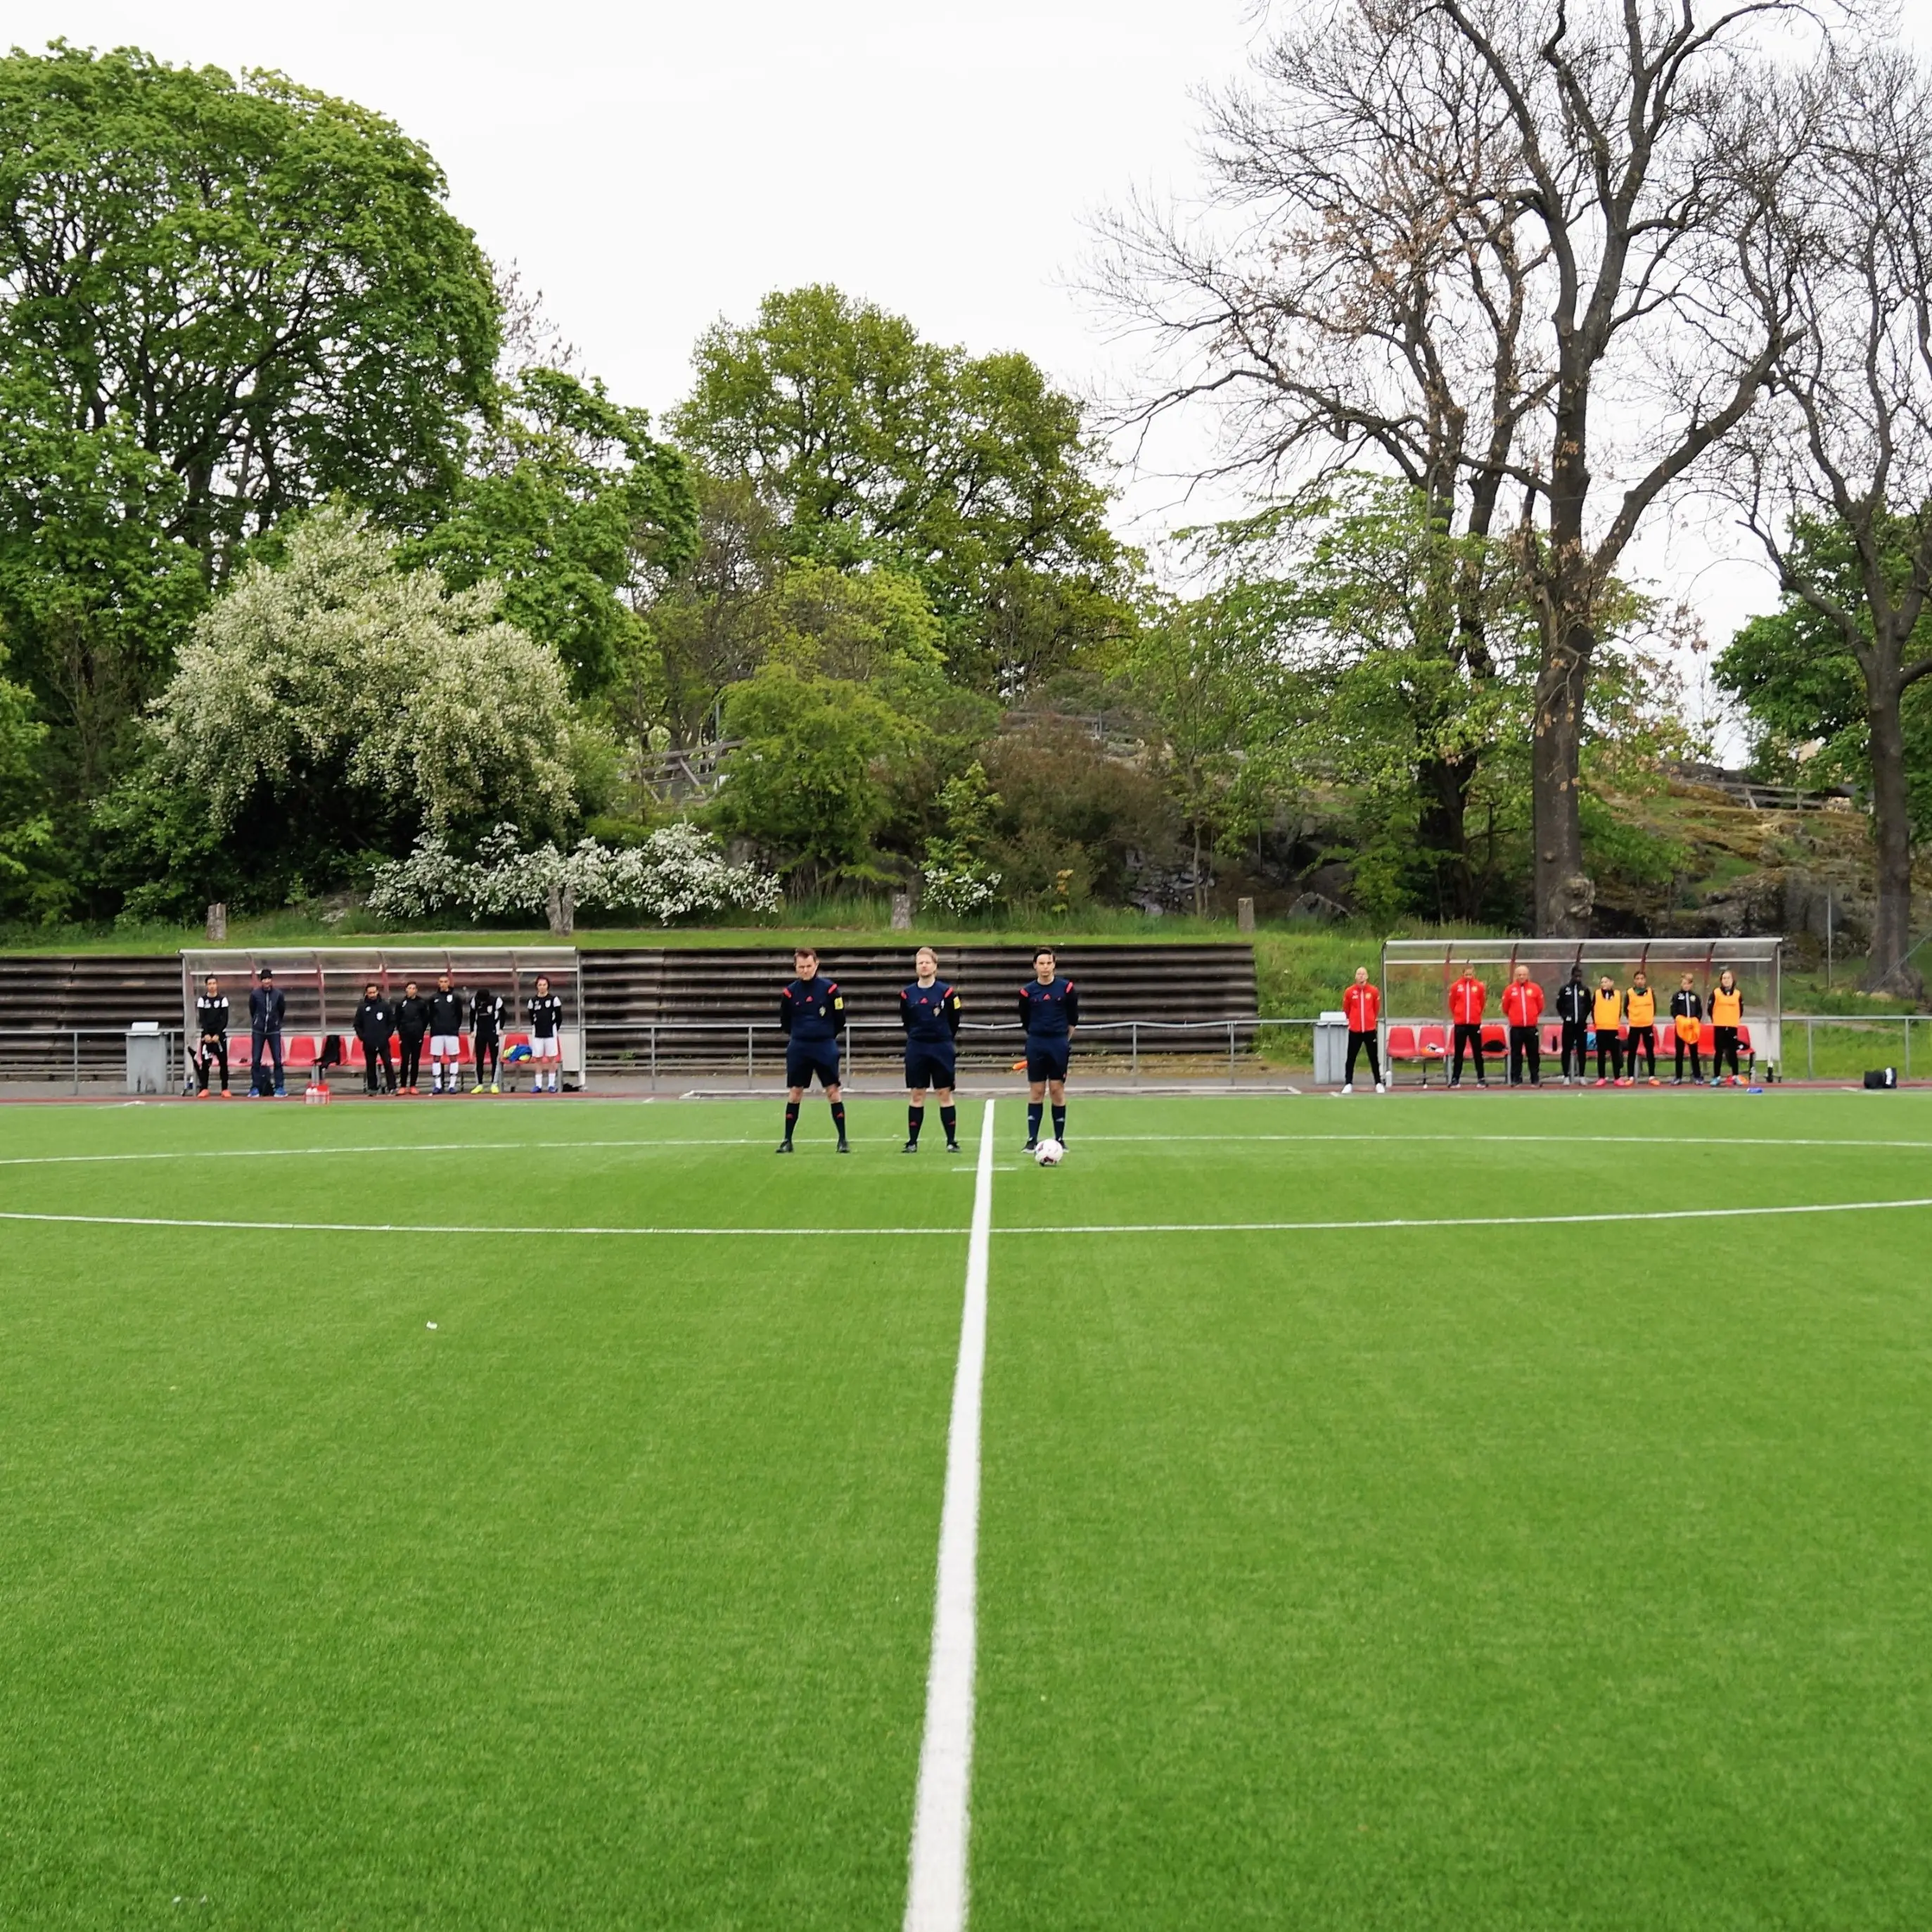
(845, 1145)
(1380, 1088)
(783, 1146)
(1655, 1081)
(911, 1147)
(203, 1094)
(478, 1088)
(952, 1146)
(1601, 1081)
(1032, 1146)
(1348, 1086)
(494, 1088)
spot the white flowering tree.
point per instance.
(335, 684)
(677, 872)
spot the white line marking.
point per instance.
(1530, 1140)
(936, 1887)
(379, 1147)
(1461, 1220)
(439, 1227)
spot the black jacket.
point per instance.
(211, 1015)
(266, 1006)
(412, 1017)
(486, 1014)
(445, 1012)
(1051, 1011)
(546, 1015)
(930, 1014)
(1686, 1006)
(375, 1020)
(1572, 1002)
(811, 1011)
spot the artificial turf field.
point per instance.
(1577, 1575)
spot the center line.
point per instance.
(936, 1890)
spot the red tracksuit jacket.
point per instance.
(1467, 998)
(1363, 1005)
(1522, 1004)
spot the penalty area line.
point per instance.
(936, 1879)
(1462, 1220)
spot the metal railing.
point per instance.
(652, 1048)
(1837, 1046)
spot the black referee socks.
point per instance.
(915, 1120)
(1060, 1124)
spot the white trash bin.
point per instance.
(1331, 1048)
(147, 1058)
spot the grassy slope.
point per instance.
(606, 1603)
(1472, 1579)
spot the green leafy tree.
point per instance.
(332, 706)
(572, 505)
(973, 475)
(220, 300)
(849, 692)
(25, 827)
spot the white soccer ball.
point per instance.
(1049, 1154)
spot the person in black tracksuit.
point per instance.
(1686, 1003)
(268, 1007)
(486, 1035)
(1573, 1009)
(1049, 1009)
(811, 1010)
(929, 1011)
(446, 1034)
(412, 1024)
(375, 1020)
(210, 1026)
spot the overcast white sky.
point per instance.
(653, 166)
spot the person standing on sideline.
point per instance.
(929, 1011)
(486, 1037)
(546, 1035)
(1607, 1014)
(1686, 1027)
(411, 1024)
(1362, 1005)
(1573, 1009)
(267, 1005)
(811, 1010)
(375, 1022)
(445, 1033)
(1523, 1007)
(1467, 998)
(1727, 1015)
(1640, 1010)
(210, 1026)
(1049, 1009)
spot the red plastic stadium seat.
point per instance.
(1401, 1042)
(1552, 1039)
(300, 1052)
(1495, 1040)
(1434, 1042)
(1708, 1037)
(1744, 1039)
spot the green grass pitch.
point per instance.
(1456, 1577)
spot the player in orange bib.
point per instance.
(1727, 1015)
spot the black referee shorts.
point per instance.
(805, 1058)
(1046, 1059)
(928, 1067)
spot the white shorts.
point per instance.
(445, 1046)
(546, 1046)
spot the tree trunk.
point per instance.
(1889, 969)
(1444, 834)
(1564, 895)
(562, 910)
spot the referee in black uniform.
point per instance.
(811, 1011)
(929, 1012)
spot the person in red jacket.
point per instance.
(1363, 1004)
(1467, 998)
(1523, 1007)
